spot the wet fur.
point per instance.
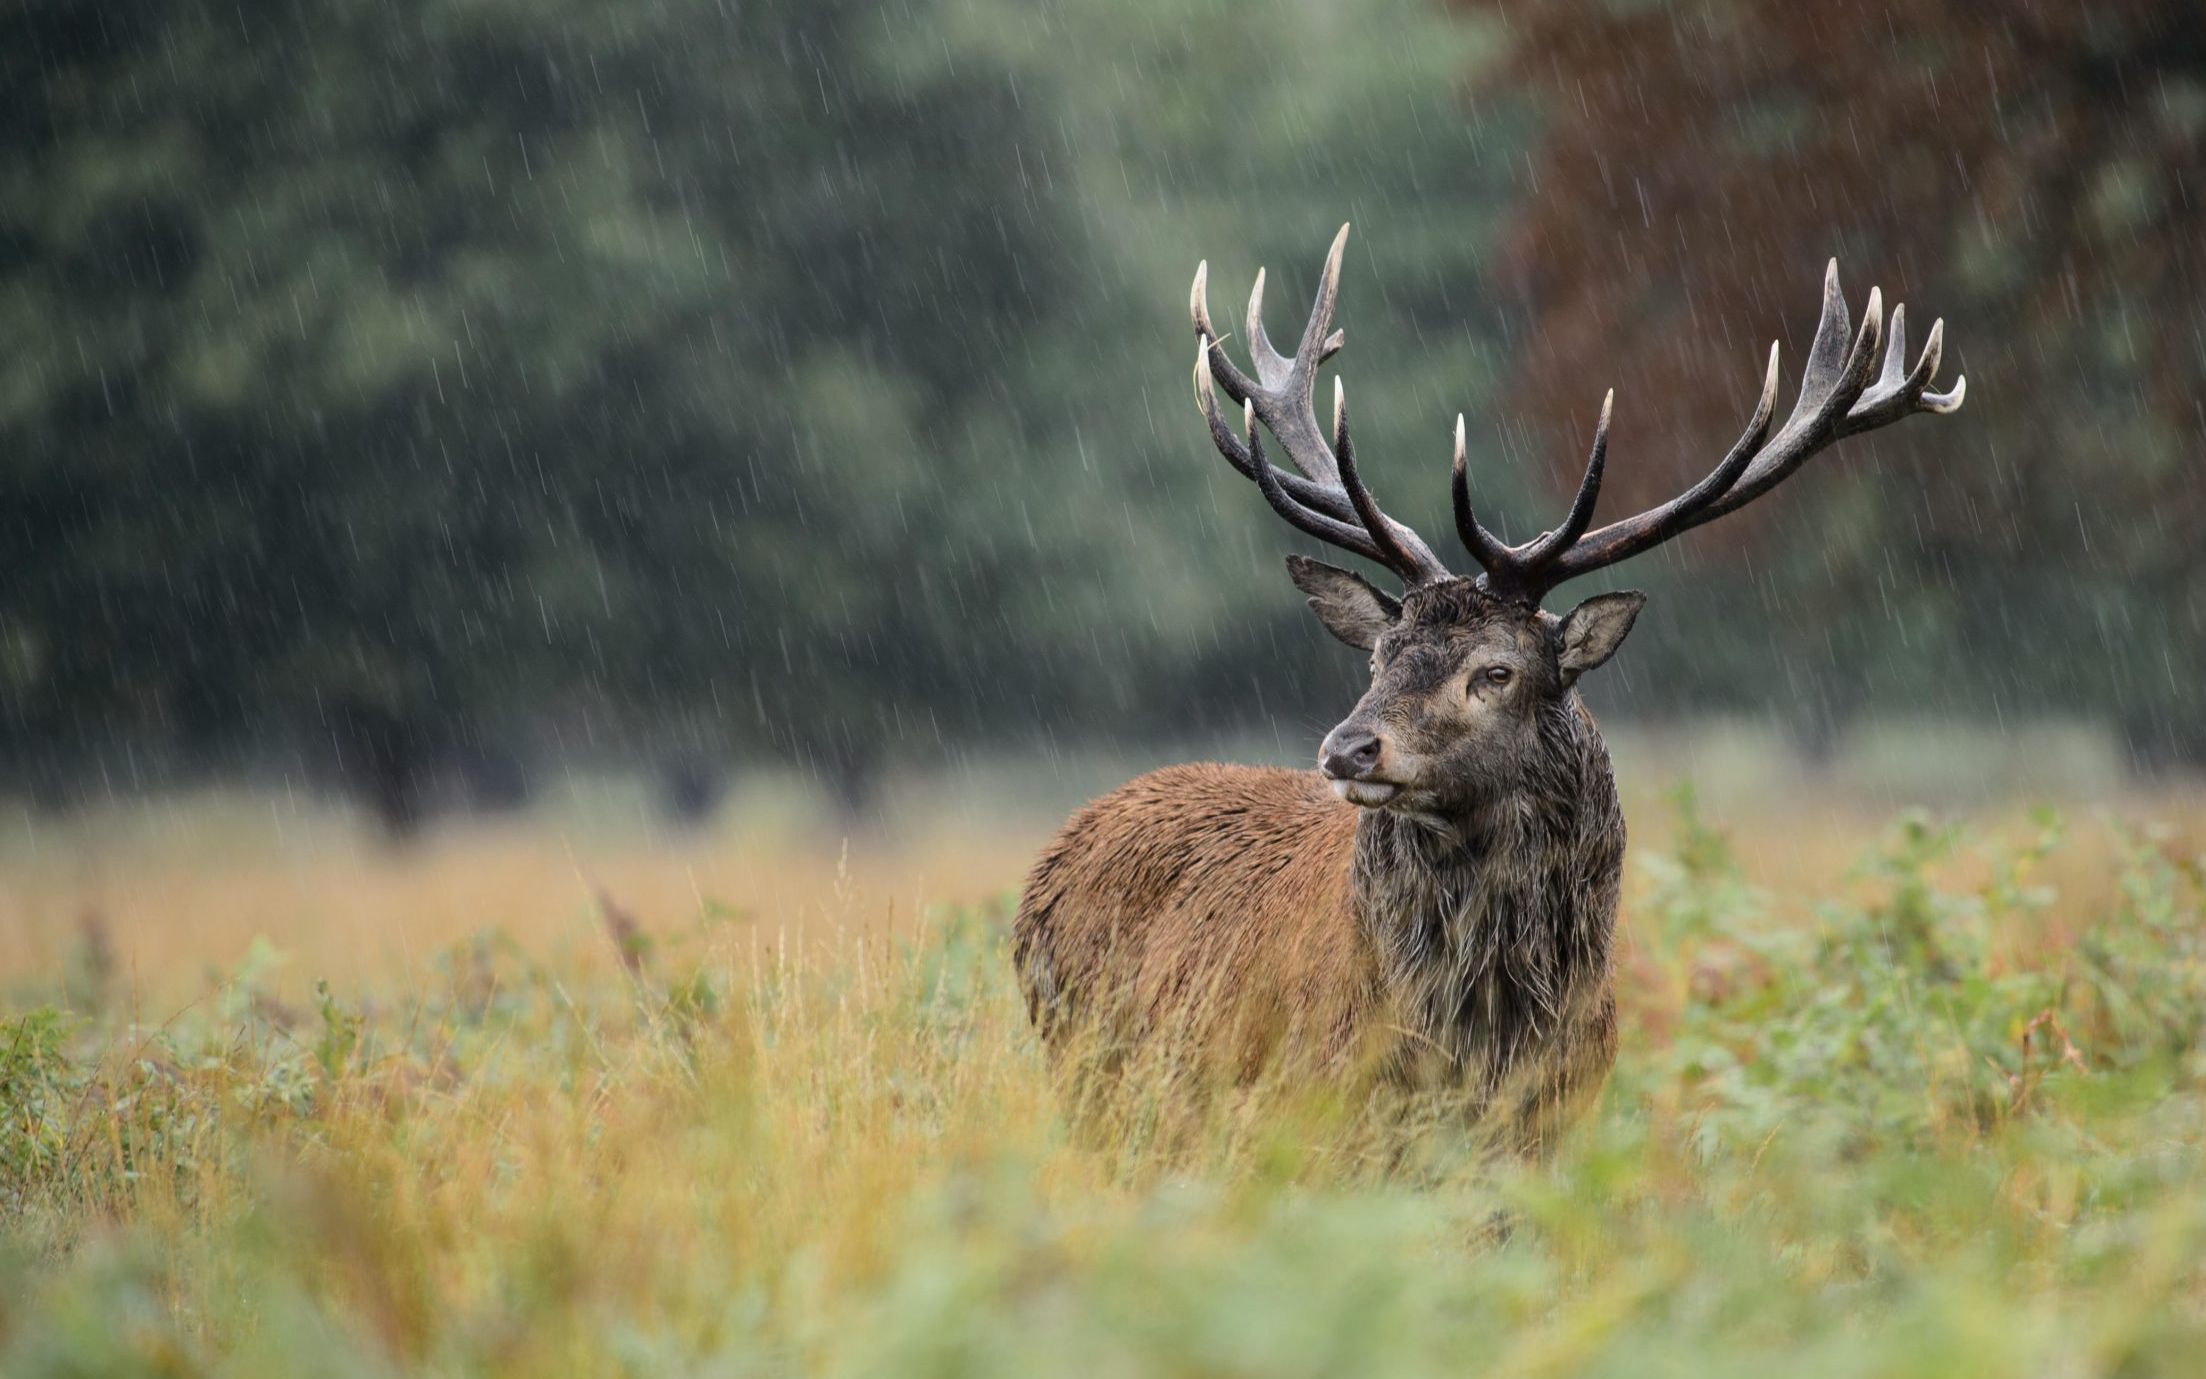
(1463, 945)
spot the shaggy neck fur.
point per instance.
(1492, 927)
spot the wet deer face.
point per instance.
(1459, 680)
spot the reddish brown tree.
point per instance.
(2032, 170)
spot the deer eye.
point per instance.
(1499, 675)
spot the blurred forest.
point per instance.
(408, 392)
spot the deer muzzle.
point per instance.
(1352, 758)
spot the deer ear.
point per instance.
(1595, 629)
(1345, 602)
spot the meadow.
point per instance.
(1903, 1091)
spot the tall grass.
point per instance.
(1942, 1120)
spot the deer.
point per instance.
(1433, 908)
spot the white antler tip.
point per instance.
(1330, 283)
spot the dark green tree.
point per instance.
(380, 375)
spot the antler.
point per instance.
(1839, 396)
(1326, 498)
(1842, 393)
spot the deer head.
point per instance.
(1470, 676)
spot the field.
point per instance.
(1902, 1092)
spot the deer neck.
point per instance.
(1490, 924)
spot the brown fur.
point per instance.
(1194, 881)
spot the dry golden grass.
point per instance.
(179, 886)
(184, 884)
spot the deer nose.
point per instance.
(1349, 753)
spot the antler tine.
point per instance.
(1206, 398)
(1947, 402)
(1895, 350)
(1735, 461)
(1407, 558)
(1356, 540)
(1318, 336)
(1536, 554)
(1933, 353)
(1826, 351)
(1485, 548)
(1271, 366)
(1276, 371)
(1237, 384)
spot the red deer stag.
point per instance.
(1436, 901)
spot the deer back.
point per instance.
(1215, 900)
